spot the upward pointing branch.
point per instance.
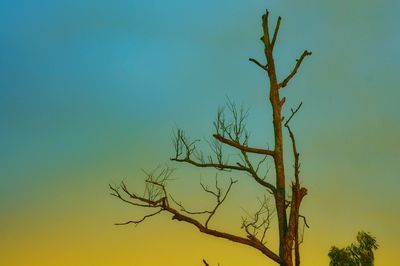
(278, 23)
(294, 71)
(265, 38)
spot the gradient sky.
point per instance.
(90, 92)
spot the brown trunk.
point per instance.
(288, 230)
(276, 103)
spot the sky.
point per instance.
(91, 91)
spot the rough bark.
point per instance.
(288, 232)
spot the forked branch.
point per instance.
(219, 195)
(158, 188)
(256, 225)
(231, 132)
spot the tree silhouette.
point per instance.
(358, 254)
(230, 131)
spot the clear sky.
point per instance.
(91, 90)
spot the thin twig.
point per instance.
(141, 220)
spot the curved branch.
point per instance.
(254, 174)
(245, 241)
(305, 220)
(187, 211)
(141, 220)
(238, 167)
(163, 204)
(259, 221)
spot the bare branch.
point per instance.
(238, 167)
(297, 195)
(260, 220)
(299, 240)
(149, 204)
(278, 23)
(260, 163)
(265, 37)
(265, 67)
(219, 197)
(295, 153)
(254, 174)
(294, 71)
(235, 130)
(237, 136)
(305, 220)
(206, 189)
(237, 127)
(185, 210)
(243, 148)
(293, 113)
(163, 204)
(214, 165)
(245, 241)
(141, 220)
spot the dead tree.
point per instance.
(232, 133)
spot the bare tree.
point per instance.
(230, 131)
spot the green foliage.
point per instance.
(357, 254)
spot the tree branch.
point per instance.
(238, 167)
(254, 174)
(218, 197)
(242, 147)
(278, 23)
(260, 220)
(305, 220)
(265, 38)
(141, 220)
(245, 241)
(294, 71)
(185, 210)
(163, 204)
(295, 153)
(205, 263)
(265, 67)
(205, 165)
